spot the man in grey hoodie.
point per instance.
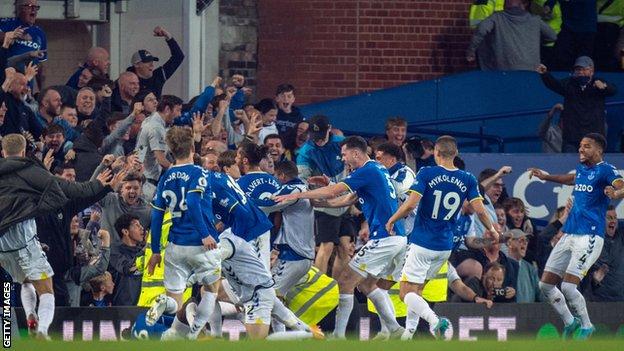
(513, 37)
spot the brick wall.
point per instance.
(239, 33)
(329, 49)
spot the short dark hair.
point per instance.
(395, 122)
(253, 152)
(123, 222)
(134, 176)
(266, 105)
(287, 168)
(216, 100)
(53, 129)
(272, 136)
(459, 163)
(97, 83)
(284, 88)
(391, 149)
(114, 118)
(44, 93)
(170, 101)
(355, 142)
(486, 173)
(610, 208)
(58, 170)
(226, 159)
(599, 139)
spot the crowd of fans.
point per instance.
(94, 128)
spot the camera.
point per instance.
(500, 292)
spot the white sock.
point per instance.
(420, 308)
(557, 301)
(204, 310)
(277, 326)
(411, 324)
(343, 312)
(29, 299)
(180, 328)
(216, 322)
(577, 303)
(286, 316)
(46, 312)
(383, 304)
(227, 309)
(290, 335)
(172, 305)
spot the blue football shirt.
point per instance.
(372, 184)
(171, 194)
(588, 214)
(443, 192)
(232, 207)
(259, 187)
(37, 41)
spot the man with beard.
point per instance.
(595, 184)
(50, 110)
(583, 101)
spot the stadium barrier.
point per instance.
(470, 322)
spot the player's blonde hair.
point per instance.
(180, 142)
(447, 147)
(13, 145)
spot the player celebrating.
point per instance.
(249, 282)
(192, 241)
(259, 186)
(383, 253)
(584, 230)
(438, 192)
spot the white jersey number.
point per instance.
(451, 202)
(172, 199)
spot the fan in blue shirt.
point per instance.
(595, 184)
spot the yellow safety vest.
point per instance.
(314, 298)
(611, 11)
(482, 9)
(153, 285)
(554, 20)
(434, 291)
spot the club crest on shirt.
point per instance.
(591, 176)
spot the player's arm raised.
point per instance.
(406, 208)
(566, 179)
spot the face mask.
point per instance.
(581, 80)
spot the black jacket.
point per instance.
(584, 109)
(88, 157)
(127, 283)
(160, 75)
(28, 190)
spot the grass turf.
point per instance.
(312, 345)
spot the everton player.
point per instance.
(595, 182)
(439, 193)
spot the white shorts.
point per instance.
(258, 309)
(262, 244)
(380, 258)
(29, 263)
(183, 261)
(422, 264)
(287, 274)
(574, 254)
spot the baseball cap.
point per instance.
(143, 56)
(584, 62)
(516, 234)
(319, 125)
